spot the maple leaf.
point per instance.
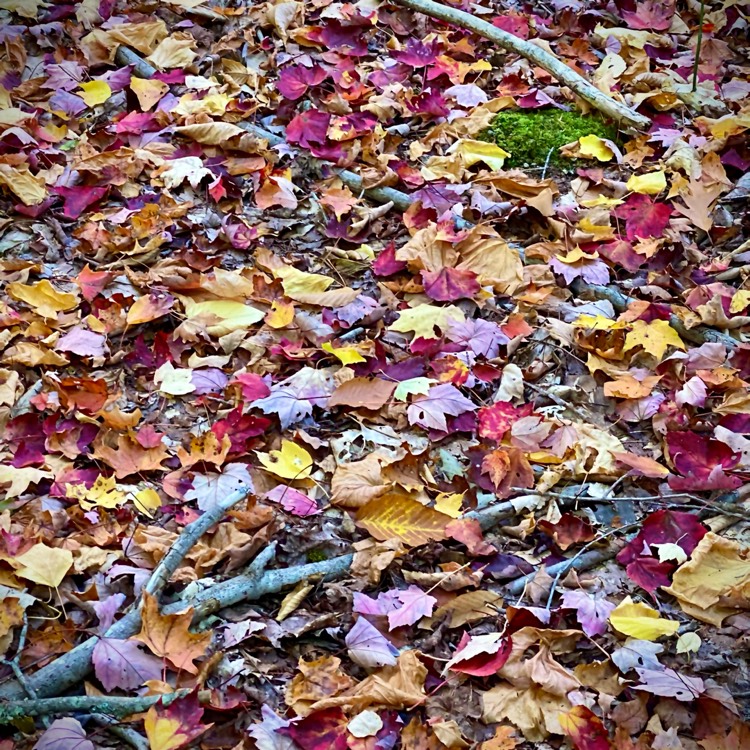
(128, 456)
(265, 732)
(308, 128)
(294, 398)
(43, 298)
(209, 489)
(649, 14)
(592, 611)
(122, 665)
(291, 462)
(176, 725)
(169, 636)
(44, 565)
(585, 729)
(429, 411)
(64, 734)
(508, 469)
(643, 217)
(481, 655)
(424, 319)
(368, 647)
(415, 604)
(654, 337)
(450, 284)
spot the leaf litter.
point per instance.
(502, 407)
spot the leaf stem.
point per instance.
(698, 45)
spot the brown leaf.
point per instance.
(355, 484)
(362, 393)
(169, 636)
(316, 680)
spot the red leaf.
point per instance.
(569, 530)
(386, 264)
(643, 217)
(321, 730)
(294, 80)
(702, 461)
(308, 128)
(653, 15)
(469, 532)
(508, 469)
(449, 284)
(650, 574)
(585, 729)
(496, 420)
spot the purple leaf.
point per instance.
(591, 612)
(430, 411)
(368, 647)
(266, 733)
(637, 654)
(208, 380)
(386, 603)
(64, 734)
(670, 684)
(416, 604)
(121, 664)
(107, 609)
(82, 342)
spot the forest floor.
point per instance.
(344, 406)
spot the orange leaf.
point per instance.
(168, 636)
(397, 516)
(129, 456)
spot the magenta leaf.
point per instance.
(670, 684)
(415, 604)
(430, 411)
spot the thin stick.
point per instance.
(697, 60)
(537, 55)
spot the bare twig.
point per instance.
(126, 734)
(598, 99)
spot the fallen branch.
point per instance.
(536, 54)
(96, 704)
(71, 668)
(188, 538)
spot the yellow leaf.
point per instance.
(147, 501)
(43, 297)
(740, 301)
(174, 381)
(654, 337)
(474, 151)
(600, 231)
(648, 184)
(423, 319)
(397, 516)
(95, 92)
(221, 317)
(163, 732)
(280, 315)
(449, 504)
(31, 189)
(291, 462)
(577, 254)
(601, 200)
(597, 323)
(347, 355)
(148, 91)
(44, 565)
(640, 621)
(688, 643)
(594, 147)
(300, 283)
(20, 479)
(103, 493)
(293, 599)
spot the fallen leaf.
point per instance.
(638, 620)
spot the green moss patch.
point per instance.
(529, 134)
